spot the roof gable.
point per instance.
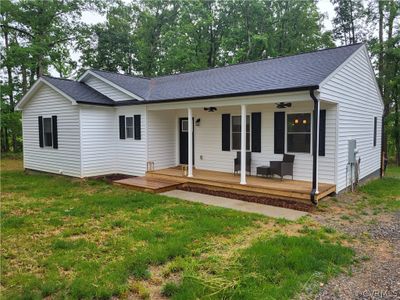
(74, 91)
(128, 86)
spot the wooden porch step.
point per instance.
(148, 184)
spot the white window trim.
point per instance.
(51, 127)
(247, 146)
(311, 131)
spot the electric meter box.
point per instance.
(352, 151)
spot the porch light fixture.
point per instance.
(197, 123)
(283, 105)
(210, 109)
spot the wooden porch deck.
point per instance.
(172, 178)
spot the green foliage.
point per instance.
(349, 22)
(169, 289)
(155, 37)
(84, 239)
(383, 193)
(279, 267)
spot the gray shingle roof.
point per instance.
(79, 91)
(287, 73)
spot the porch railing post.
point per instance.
(243, 145)
(190, 143)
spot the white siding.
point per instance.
(106, 89)
(66, 159)
(353, 87)
(103, 152)
(131, 154)
(99, 136)
(162, 134)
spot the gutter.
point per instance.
(314, 190)
(263, 92)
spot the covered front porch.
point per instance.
(217, 138)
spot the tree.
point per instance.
(36, 35)
(385, 52)
(109, 46)
(349, 21)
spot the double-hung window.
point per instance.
(236, 132)
(299, 132)
(47, 132)
(129, 127)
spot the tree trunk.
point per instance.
(353, 37)
(381, 70)
(24, 80)
(4, 145)
(397, 130)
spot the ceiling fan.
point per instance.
(283, 104)
(210, 109)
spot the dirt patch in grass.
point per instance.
(110, 178)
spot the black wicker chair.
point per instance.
(237, 163)
(284, 167)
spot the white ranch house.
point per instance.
(309, 105)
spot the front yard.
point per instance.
(67, 238)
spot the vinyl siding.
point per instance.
(102, 150)
(353, 87)
(106, 89)
(99, 136)
(162, 134)
(208, 139)
(131, 154)
(64, 160)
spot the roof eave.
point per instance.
(252, 93)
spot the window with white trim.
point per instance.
(299, 133)
(236, 132)
(47, 132)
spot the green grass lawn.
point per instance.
(383, 194)
(67, 238)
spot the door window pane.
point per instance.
(184, 125)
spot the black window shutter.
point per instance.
(122, 127)
(375, 129)
(322, 132)
(137, 123)
(279, 132)
(256, 132)
(55, 132)
(226, 132)
(40, 123)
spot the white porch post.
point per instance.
(190, 142)
(243, 145)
